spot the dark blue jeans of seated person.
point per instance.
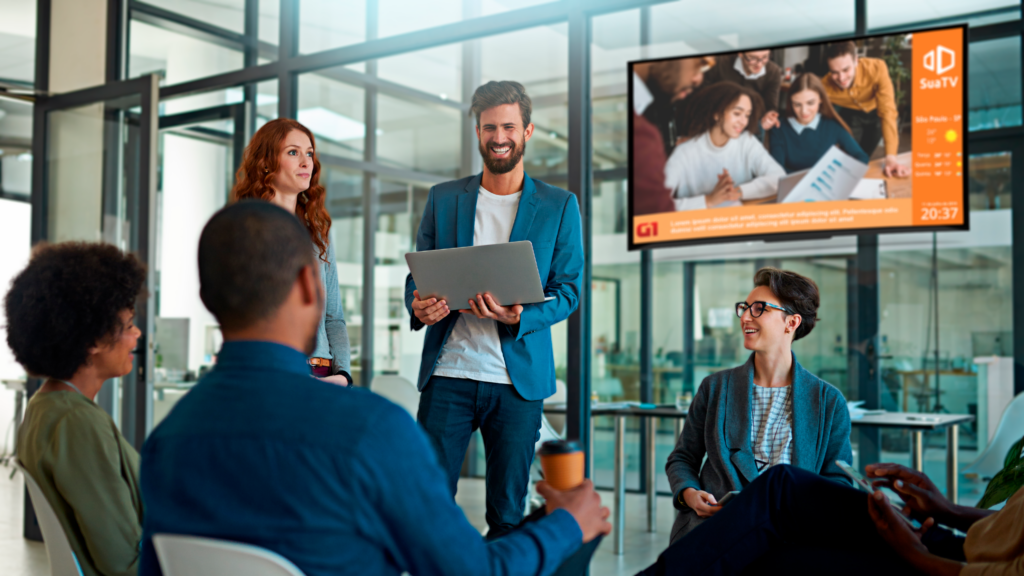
(452, 408)
(792, 519)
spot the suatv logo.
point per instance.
(935, 60)
(647, 229)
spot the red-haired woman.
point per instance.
(280, 166)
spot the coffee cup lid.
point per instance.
(552, 447)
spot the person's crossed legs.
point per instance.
(787, 516)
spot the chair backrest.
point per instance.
(1011, 429)
(63, 561)
(398, 390)
(195, 556)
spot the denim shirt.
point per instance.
(332, 335)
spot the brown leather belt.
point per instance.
(319, 362)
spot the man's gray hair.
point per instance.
(496, 93)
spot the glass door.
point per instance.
(94, 179)
(198, 153)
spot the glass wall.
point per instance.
(416, 103)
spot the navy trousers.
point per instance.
(452, 408)
(797, 521)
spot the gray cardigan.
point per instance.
(718, 425)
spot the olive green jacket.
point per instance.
(90, 476)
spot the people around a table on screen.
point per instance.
(718, 160)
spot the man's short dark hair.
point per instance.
(68, 299)
(796, 292)
(496, 93)
(837, 49)
(250, 254)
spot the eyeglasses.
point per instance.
(756, 59)
(758, 308)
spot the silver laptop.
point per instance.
(507, 271)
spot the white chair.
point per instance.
(1011, 429)
(398, 390)
(195, 556)
(63, 561)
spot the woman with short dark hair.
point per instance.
(69, 321)
(769, 411)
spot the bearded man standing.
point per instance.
(491, 367)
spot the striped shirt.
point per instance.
(771, 426)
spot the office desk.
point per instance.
(896, 187)
(650, 417)
(918, 424)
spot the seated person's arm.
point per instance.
(87, 473)
(907, 542)
(850, 146)
(765, 169)
(426, 532)
(922, 497)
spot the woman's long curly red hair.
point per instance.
(260, 164)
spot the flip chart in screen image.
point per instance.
(836, 176)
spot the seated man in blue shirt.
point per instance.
(337, 480)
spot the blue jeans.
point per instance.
(792, 518)
(452, 408)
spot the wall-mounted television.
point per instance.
(864, 135)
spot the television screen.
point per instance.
(810, 140)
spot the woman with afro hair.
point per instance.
(70, 322)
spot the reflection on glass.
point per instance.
(989, 180)
(823, 352)
(326, 24)
(397, 349)
(681, 28)
(176, 57)
(994, 92)
(18, 43)
(417, 136)
(882, 13)
(334, 111)
(196, 181)
(345, 204)
(227, 14)
(974, 294)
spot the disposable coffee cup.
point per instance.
(562, 462)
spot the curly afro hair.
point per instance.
(68, 299)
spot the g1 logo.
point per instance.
(647, 229)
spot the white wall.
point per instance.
(193, 189)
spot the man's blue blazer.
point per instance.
(549, 217)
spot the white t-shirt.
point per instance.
(473, 351)
(693, 168)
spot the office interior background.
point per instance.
(123, 121)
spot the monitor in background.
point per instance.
(791, 142)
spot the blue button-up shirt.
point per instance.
(338, 480)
